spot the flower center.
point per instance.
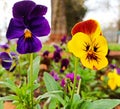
(91, 55)
(27, 33)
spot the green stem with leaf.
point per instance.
(75, 76)
(31, 80)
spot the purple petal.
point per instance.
(5, 56)
(15, 29)
(118, 70)
(70, 76)
(56, 56)
(28, 45)
(39, 26)
(5, 46)
(58, 49)
(46, 53)
(78, 77)
(65, 62)
(63, 82)
(23, 8)
(6, 60)
(6, 65)
(39, 10)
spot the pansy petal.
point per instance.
(6, 60)
(38, 10)
(15, 29)
(23, 8)
(6, 65)
(77, 45)
(39, 26)
(94, 64)
(5, 56)
(112, 84)
(101, 45)
(28, 45)
(89, 27)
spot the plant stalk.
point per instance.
(31, 80)
(75, 76)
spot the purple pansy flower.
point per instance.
(57, 53)
(71, 76)
(54, 75)
(5, 60)
(27, 24)
(118, 70)
(64, 64)
(57, 48)
(112, 66)
(56, 56)
(63, 82)
(63, 40)
(9, 60)
(5, 46)
(45, 53)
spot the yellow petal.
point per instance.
(101, 43)
(118, 81)
(112, 84)
(77, 45)
(94, 64)
(113, 79)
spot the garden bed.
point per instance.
(114, 55)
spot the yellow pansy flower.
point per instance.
(89, 45)
(113, 80)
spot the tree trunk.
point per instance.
(58, 20)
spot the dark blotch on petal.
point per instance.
(28, 45)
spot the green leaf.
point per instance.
(76, 102)
(36, 68)
(53, 103)
(50, 83)
(35, 86)
(37, 106)
(85, 105)
(10, 84)
(104, 104)
(52, 94)
(1, 105)
(10, 97)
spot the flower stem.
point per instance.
(31, 80)
(75, 76)
(78, 89)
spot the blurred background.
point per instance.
(63, 14)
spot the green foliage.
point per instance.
(50, 83)
(104, 104)
(114, 46)
(36, 68)
(92, 89)
(1, 105)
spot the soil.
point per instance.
(8, 105)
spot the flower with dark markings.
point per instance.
(27, 24)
